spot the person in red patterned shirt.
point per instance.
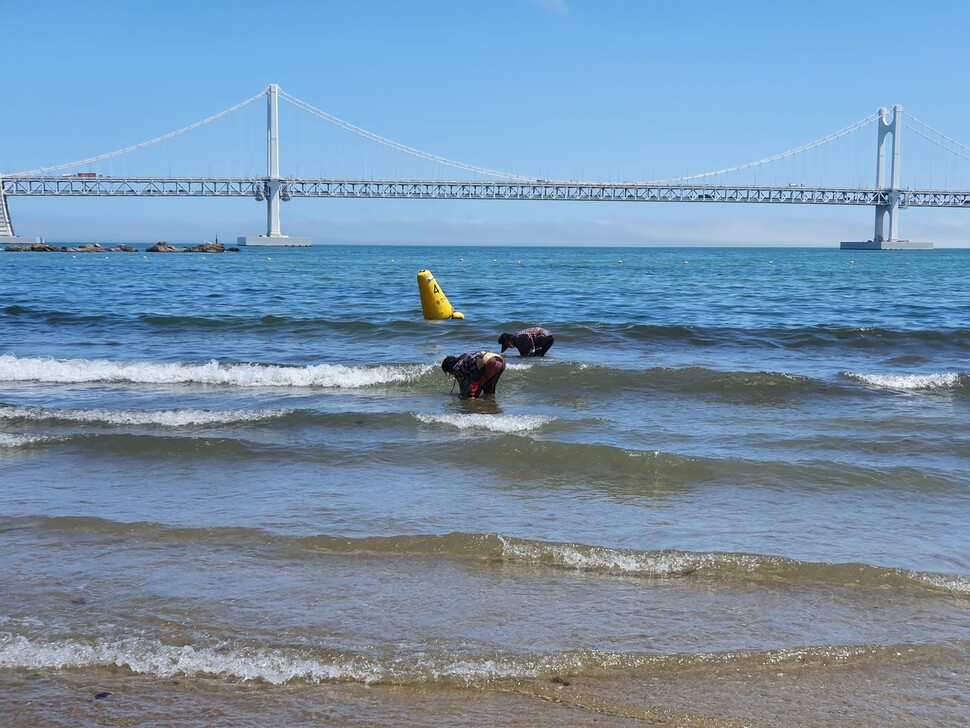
(530, 342)
(477, 373)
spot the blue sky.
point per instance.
(557, 89)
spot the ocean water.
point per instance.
(238, 490)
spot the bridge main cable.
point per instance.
(939, 134)
(790, 153)
(143, 145)
(399, 147)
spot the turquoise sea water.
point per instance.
(735, 491)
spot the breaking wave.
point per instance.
(493, 423)
(77, 371)
(8, 440)
(277, 666)
(162, 418)
(946, 381)
(711, 566)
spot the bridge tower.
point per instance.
(274, 188)
(883, 238)
(890, 210)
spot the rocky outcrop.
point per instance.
(87, 248)
(35, 248)
(159, 247)
(163, 247)
(210, 248)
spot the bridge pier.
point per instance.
(7, 236)
(274, 189)
(884, 238)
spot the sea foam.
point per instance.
(78, 371)
(11, 441)
(270, 665)
(162, 418)
(618, 561)
(493, 423)
(909, 382)
(279, 666)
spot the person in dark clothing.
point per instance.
(530, 342)
(477, 374)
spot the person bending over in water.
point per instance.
(477, 373)
(530, 342)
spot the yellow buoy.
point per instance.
(434, 302)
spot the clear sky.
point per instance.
(556, 89)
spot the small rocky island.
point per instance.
(159, 247)
(163, 247)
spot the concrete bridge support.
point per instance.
(7, 235)
(274, 188)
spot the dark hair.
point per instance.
(506, 340)
(448, 364)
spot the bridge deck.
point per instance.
(259, 188)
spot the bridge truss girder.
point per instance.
(261, 189)
(131, 187)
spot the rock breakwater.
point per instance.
(159, 247)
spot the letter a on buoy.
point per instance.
(434, 302)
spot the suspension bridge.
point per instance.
(886, 197)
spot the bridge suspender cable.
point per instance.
(399, 147)
(143, 145)
(789, 153)
(939, 134)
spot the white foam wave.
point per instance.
(634, 563)
(677, 563)
(909, 382)
(11, 441)
(246, 663)
(163, 418)
(948, 582)
(162, 660)
(493, 423)
(279, 667)
(79, 371)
